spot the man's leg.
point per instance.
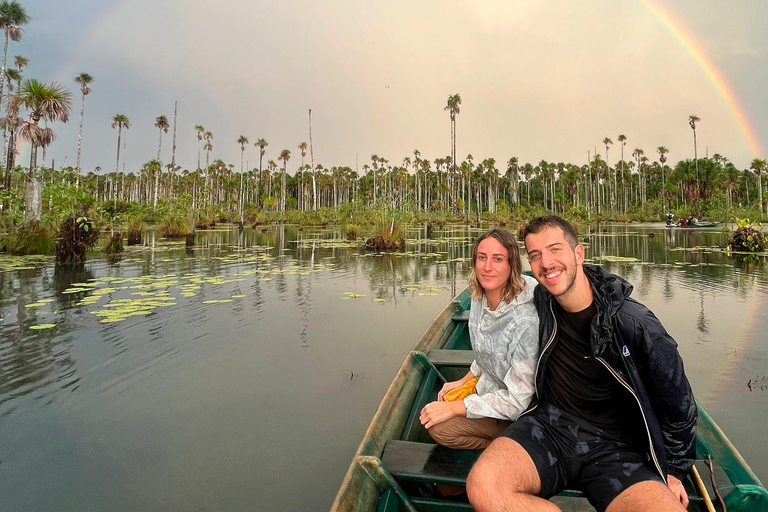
(648, 495)
(505, 478)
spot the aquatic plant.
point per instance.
(748, 237)
(76, 236)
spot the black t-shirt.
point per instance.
(580, 384)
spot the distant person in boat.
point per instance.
(614, 415)
(670, 218)
(503, 329)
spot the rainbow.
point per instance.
(714, 74)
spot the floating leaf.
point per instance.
(40, 327)
(378, 300)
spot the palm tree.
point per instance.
(161, 122)
(759, 166)
(20, 62)
(262, 143)
(120, 121)
(242, 140)
(303, 149)
(692, 120)
(12, 17)
(83, 80)
(48, 103)
(13, 75)
(200, 129)
(662, 151)
(285, 155)
(208, 147)
(608, 142)
(453, 108)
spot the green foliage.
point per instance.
(174, 216)
(28, 238)
(748, 237)
(76, 236)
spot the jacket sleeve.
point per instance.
(670, 394)
(513, 399)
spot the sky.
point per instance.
(538, 80)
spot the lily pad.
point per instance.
(40, 327)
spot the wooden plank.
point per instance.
(462, 316)
(424, 462)
(443, 357)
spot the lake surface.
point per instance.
(240, 375)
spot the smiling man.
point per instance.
(613, 415)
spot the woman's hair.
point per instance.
(515, 283)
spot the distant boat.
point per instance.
(701, 224)
(397, 460)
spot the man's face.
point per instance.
(553, 263)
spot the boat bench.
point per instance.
(441, 357)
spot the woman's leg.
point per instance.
(466, 433)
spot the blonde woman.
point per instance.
(503, 330)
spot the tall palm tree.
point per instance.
(303, 148)
(759, 166)
(20, 62)
(243, 141)
(692, 120)
(453, 107)
(12, 17)
(200, 129)
(285, 155)
(262, 144)
(83, 80)
(48, 103)
(161, 123)
(208, 147)
(662, 151)
(608, 142)
(120, 121)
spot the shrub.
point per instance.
(28, 238)
(747, 238)
(114, 243)
(76, 236)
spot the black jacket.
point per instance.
(631, 342)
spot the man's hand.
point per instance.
(437, 412)
(676, 486)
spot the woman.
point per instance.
(503, 330)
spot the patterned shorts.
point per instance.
(571, 453)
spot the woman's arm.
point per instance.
(448, 386)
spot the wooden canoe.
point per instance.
(397, 460)
(702, 224)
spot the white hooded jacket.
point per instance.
(506, 345)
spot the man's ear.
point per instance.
(579, 250)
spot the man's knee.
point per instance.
(503, 465)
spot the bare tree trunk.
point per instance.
(173, 147)
(80, 134)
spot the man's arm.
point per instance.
(670, 394)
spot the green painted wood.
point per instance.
(437, 505)
(442, 357)
(426, 392)
(389, 502)
(462, 316)
(458, 335)
(424, 462)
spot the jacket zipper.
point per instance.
(538, 363)
(647, 430)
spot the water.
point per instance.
(258, 403)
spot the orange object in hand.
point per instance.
(463, 391)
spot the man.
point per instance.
(614, 414)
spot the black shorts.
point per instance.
(570, 452)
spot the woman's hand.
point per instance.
(449, 386)
(437, 412)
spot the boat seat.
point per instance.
(442, 357)
(462, 316)
(423, 462)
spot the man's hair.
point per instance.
(515, 283)
(539, 224)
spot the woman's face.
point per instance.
(492, 265)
